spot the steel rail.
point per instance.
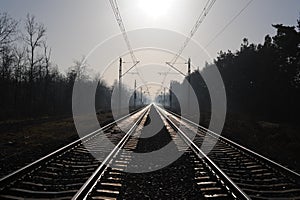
(13, 176)
(236, 191)
(291, 173)
(92, 181)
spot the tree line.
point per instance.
(261, 80)
(30, 83)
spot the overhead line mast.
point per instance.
(116, 11)
(118, 17)
(209, 4)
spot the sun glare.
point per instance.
(155, 8)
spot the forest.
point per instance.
(262, 84)
(30, 83)
(261, 80)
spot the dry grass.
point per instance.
(277, 141)
(24, 141)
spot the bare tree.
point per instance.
(20, 64)
(34, 37)
(7, 60)
(30, 84)
(8, 29)
(47, 56)
(19, 73)
(80, 69)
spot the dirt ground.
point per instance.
(24, 141)
(277, 141)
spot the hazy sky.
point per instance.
(74, 27)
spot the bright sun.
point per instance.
(154, 8)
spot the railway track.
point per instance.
(257, 176)
(61, 174)
(229, 171)
(192, 176)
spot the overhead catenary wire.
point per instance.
(209, 4)
(229, 23)
(115, 8)
(116, 11)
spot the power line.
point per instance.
(115, 8)
(209, 4)
(229, 23)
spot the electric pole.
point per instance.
(170, 96)
(189, 81)
(189, 66)
(164, 97)
(141, 96)
(120, 84)
(134, 95)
